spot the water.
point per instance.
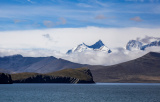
(111, 92)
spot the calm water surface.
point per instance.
(108, 92)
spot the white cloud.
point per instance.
(47, 36)
(88, 57)
(100, 17)
(148, 39)
(62, 21)
(143, 0)
(84, 5)
(137, 19)
(30, 1)
(18, 21)
(48, 23)
(30, 52)
(67, 38)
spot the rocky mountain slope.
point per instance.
(18, 63)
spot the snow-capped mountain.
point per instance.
(98, 46)
(134, 45)
(154, 43)
(137, 45)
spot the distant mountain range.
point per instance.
(137, 45)
(143, 69)
(18, 63)
(98, 46)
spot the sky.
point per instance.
(51, 27)
(43, 14)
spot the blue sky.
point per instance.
(43, 14)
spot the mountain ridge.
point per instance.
(18, 63)
(145, 69)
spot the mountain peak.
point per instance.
(137, 45)
(100, 41)
(134, 45)
(98, 46)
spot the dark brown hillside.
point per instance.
(144, 69)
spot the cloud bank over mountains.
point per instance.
(118, 55)
(56, 42)
(63, 39)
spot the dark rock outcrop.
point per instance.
(47, 79)
(5, 78)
